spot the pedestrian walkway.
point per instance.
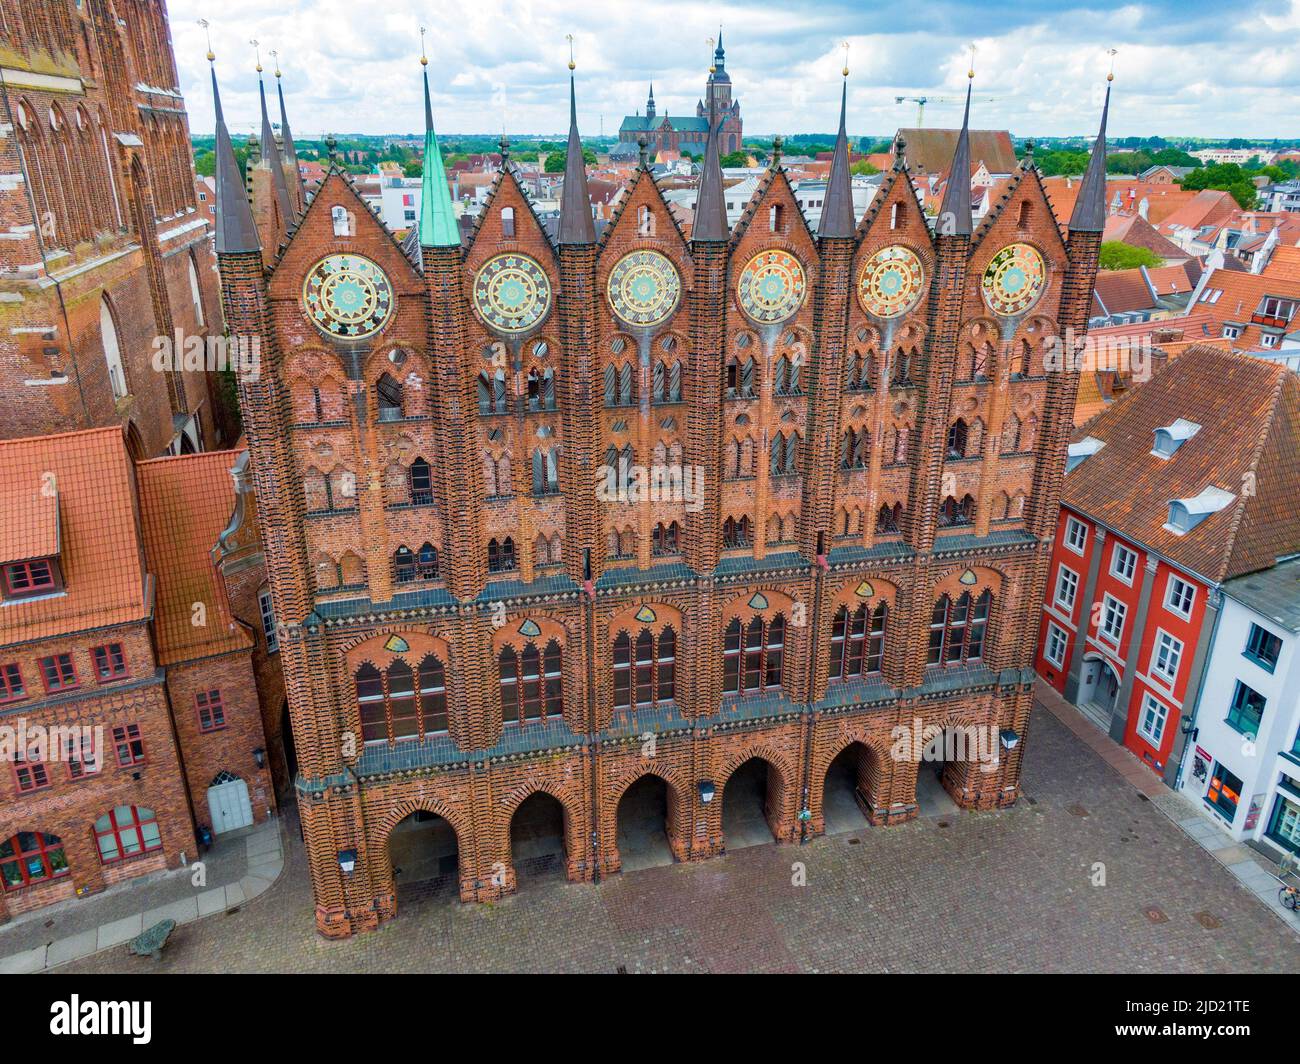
(1255, 872)
(239, 867)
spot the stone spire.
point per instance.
(650, 102)
(235, 231)
(1090, 207)
(954, 215)
(272, 160)
(837, 211)
(299, 195)
(576, 226)
(711, 205)
(438, 228)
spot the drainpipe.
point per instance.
(589, 618)
(819, 575)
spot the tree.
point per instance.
(1228, 177)
(735, 158)
(205, 164)
(1116, 255)
(862, 168)
(555, 161)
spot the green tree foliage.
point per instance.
(205, 163)
(1116, 255)
(735, 158)
(1226, 176)
(862, 168)
(555, 160)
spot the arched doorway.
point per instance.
(844, 797)
(750, 800)
(643, 825)
(1099, 690)
(229, 807)
(290, 751)
(940, 772)
(425, 856)
(537, 838)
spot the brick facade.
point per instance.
(587, 571)
(105, 247)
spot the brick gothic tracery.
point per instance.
(473, 619)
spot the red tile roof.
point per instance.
(1137, 232)
(29, 524)
(1248, 445)
(185, 503)
(99, 548)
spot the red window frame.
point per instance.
(30, 776)
(29, 578)
(11, 683)
(129, 745)
(77, 758)
(62, 669)
(110, 662)
(211, 710)
(137, 823)
(21, 858)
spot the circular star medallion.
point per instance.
(771, 286)
(1014, 280)
(348, 296)
(891, 282)
(512, 293)
(644, 288)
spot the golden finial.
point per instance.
(569, 37)
(424, 59)
(970, 73)
(712, 66)
(258, 51)
(845, 71)
(277, 62)
(1111, 52)
(208, 33)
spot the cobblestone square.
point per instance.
(1005, 891)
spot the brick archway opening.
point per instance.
(751, 804)
(424, 853)
(947, 761)
(847, 788)
(643, 824)
(538, 830)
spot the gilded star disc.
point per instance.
(348, 296)
(512, 293)
(891, 282)
(771, 287)
(644, 288)
(1014, 280)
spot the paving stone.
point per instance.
(120, 930)
(211, 901)
(72, 947)
(182, 912)
(24, 963)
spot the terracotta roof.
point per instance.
(185, 504)
(99, 549)
(1248, 410)
(931, 150)
(29, 524)
(1136, 231)
(1123, 290)
(1284, 264)
(1162, 200)
(1205, 208)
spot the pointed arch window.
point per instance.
(492, 393)
(667, 384)
(753, 655)
(546, 475)
(112, 352)
(955, 514)
(388, 391)
(889, 519)
(855, 449)
(420, 481)
(858, 641)
(644, 668)
(958, 628)
(957, 439)
(501, 556)
(531, 683)
(666, 539)
(859, 371)
(785, 377)
(784, 454)
(736, 534)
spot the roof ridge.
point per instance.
(198, 454)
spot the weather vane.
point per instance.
(424, 59)
(1111, 52)
(846, 59)
(208, 34)
(970, 73)
(569, 37)
(277, 62)
(258, 52)
(712, 67)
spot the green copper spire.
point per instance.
(438, 228)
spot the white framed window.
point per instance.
(1269, 339)
(1179, 596)
(1231, 332)
(1123, 563)
(1113, 613)
(1067, 588)
(268, 620)
(1151, 726)
(1165, 656)
(1055, 644)
(1076, 535)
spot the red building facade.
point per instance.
(482, 614)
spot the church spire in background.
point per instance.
(437, 217)
(837, 212)
(270, 154)
(576, 226)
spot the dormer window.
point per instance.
(1078, 452)
(28, 579)
(1186, 514)
(1171, 437)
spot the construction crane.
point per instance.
(921, 101)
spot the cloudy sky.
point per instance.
(1198, 67)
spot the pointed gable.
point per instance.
(895, 218)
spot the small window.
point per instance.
(1165, 656)
(1179, 596)
(28, 578)
(58, 672)
(1152, 724)
(1076, 535)
(1054, 648)
(11, 683)
(1231, 332)
(1113, 613)
(129, 745)
(1067, 588)
(212, 712)
(31, 857)
(1246, 710)
(126, 831)
(1263, 647)
(110, 662)
(1123, 563)
(29, 775)
(81, 755)
(267, 609)
(508, 222)
(1224, 792)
